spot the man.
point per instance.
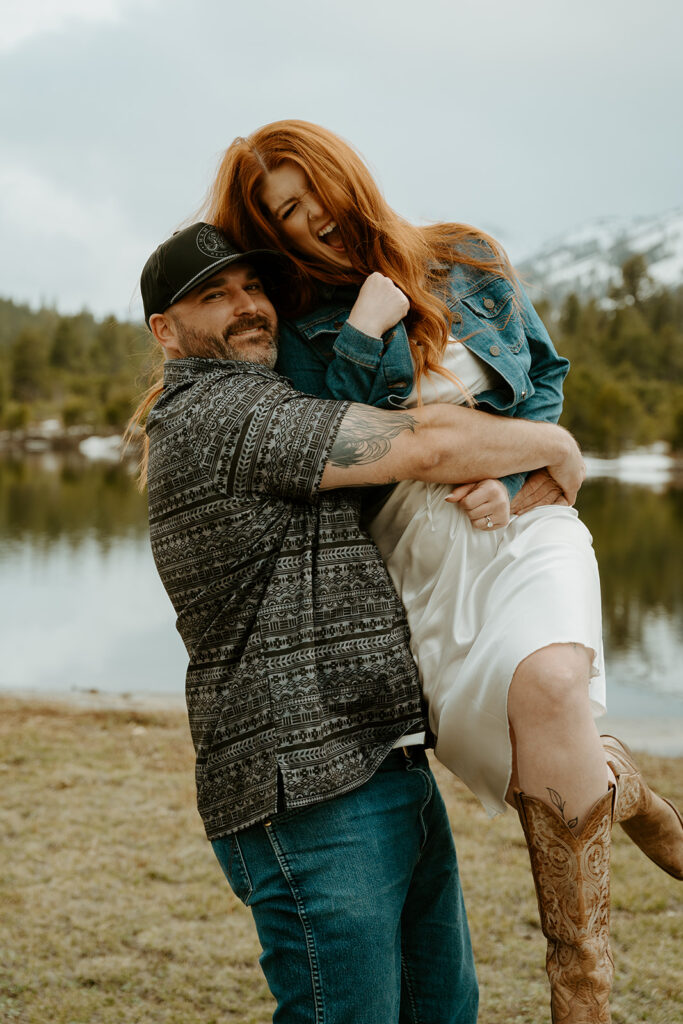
(302, 694)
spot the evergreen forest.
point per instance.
(625, 387)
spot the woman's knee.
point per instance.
(551, 683)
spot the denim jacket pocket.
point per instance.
(327, 321)
(229, 854)
(495, 307)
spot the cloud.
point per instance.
(23, 19)
(81, 247)
(521, 118)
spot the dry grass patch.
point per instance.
(114, 910)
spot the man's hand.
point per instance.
(379, 306)
(486, 504)
(570, 473)
(538, 489)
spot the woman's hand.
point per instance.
(486, 504)
(379, 306)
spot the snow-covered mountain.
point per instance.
(588, 260)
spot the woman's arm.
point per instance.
(369, 358)
(547, 372)
(548, 368)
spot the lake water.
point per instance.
(83, 608)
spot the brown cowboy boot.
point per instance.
(649, 820)
(571, 874)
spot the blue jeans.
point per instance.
(358, 905)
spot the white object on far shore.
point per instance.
(102, 449)
(652, 466)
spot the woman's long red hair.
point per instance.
(374, 236)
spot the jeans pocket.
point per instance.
(230, 857)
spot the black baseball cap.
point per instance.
(185, 260)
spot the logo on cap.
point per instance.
(213, 243)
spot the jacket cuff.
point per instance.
(513, 483)
(359, 348)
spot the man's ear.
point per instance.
(165, 331)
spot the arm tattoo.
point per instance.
(366, 435)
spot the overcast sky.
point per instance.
(525, 117)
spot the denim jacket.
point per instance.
(325, 356)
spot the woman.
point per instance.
(504, 615)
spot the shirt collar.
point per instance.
(180, 371)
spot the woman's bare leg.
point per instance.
(558, 754)
(559, 785)
(560, 778)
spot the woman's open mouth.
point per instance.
(330, 235)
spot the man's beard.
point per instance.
(202, 344)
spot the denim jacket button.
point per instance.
(489, 303)
(338, 325)
(456, 318)
(398, 384)
(524, 393)
(494, 350)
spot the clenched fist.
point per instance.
(379, 306)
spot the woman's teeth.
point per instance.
(331, 236)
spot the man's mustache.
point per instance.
(249, 323)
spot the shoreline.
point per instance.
(94, 700)
(661, 737)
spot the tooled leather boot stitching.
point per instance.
(648, 819)
(572, 878)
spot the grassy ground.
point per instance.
(114, 911)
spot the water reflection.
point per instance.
(638, 537)
(50, 498)
(82, 604)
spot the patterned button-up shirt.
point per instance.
(300, 675)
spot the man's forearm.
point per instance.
(463, 445)
(440, 444)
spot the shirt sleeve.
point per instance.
(261, 438)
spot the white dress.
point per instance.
(479, 602)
